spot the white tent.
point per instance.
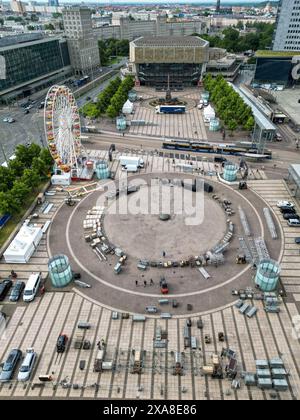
(127, 107)
(209, 113)
(23, 246)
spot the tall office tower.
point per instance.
(218, 6)
(287, 34)
(82, 42)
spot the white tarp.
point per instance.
(127, 107)
(209, 113)
(23, 246)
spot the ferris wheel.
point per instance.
(62, 128)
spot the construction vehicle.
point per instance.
(241, 259)
(207, 339)
(137, 360)
(99, 360)
(163, 286)
(217, 367)
(178, 364)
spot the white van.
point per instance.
(130, 168)
(32, 287)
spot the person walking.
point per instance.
(136, 283)
(151, 282)
(99, 345)
(145, 283)
(164, 254)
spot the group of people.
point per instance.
(151, 283)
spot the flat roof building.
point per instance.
(31, 63)
(181, 59)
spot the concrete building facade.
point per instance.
(181, 61)
(287, 34)
(132, 29)
(82, 40)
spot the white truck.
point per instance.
(131, 161)
(130, 168)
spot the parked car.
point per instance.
(297, 241)
(16, 291)
(285, 204)
(27, 365)
(294, 223)
(9, 120)
(278, 137)
(32, 287)
(10, 365)
(5, 285)
(284, 210)
(288, 216)
(61, 343)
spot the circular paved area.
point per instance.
(185, 284)
(145, 236)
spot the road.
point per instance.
(30, 127)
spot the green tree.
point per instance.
(49, 27)
(31, 178)
(20, 191)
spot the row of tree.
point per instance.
(233, 41)
(94, 110)
(120, 97)
(230, 107)
(22, 177)
(111, 100)
(112, 48)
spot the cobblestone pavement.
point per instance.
(263, 337)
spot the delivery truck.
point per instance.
(132, 160)
(170, 109)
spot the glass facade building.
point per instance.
(277, 70)
(156, 74)
(29, 61)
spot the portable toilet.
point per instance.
(102, 170)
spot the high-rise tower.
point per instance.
(287, 34)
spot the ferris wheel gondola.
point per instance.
(62, 129)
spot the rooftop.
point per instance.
(171, 41)
(260, 118)
(19, 39)
(270, 53)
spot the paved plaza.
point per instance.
(188, 126)
(265, 336)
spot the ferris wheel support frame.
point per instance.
(62, 129)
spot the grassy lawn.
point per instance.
(13, 222)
